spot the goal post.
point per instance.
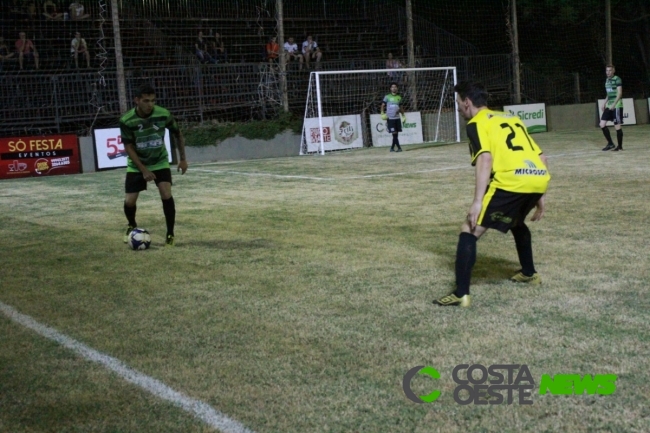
(342, 110)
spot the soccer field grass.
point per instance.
(299, 294)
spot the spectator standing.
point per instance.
(25, 48)
(311, 51)
(79, 47)
(218, 49)
(392, 63)
(200, 49)
(77, 11)
(291, 52)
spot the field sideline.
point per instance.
(299, 295)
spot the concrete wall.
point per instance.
(559, 118)
(285, 144)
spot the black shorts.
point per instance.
(394, 125)
(135, 181)
(503, 210)
(613, 115)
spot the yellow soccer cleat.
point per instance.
(519, 277)
(452, 300)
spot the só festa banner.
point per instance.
(39, 156)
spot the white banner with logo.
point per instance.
(533, 116)
(629, 115)
(109, 149)
(411, 130)
(339, 132)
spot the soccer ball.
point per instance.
(139, 239)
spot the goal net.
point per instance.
(343, 108)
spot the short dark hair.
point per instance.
(144, 89)
(474, 91)
(393, 83)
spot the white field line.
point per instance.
(197, 408)
(367, 176)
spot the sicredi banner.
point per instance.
(533, 116)
(39, 156)
(629, 115)
(339, 132)
(411, 130)
(109, 149)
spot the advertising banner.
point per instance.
(109, 149)
(411, 130)
(39, 156)
(533, 116)
(339, 133)
(629, 115)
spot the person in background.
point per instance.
(393, 113)
(272, 50)
(311, 51)
(291, 52)
(613, 109)
(77, 11)
(79, 47)
(26, 49)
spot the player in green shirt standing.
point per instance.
(143, 132)
(393, 112)
(613, 109)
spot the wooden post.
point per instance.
(410, 46)
(282, 59)
(119, 61)
(516, 64)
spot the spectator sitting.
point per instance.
(25, 48)
(392, 63)
(291, 51)
(311, 51)
(50, 11)
(5, 54)
(200, 49)
(218, 49)
(77, 11)
(31, 13)
(272, 49)
(79, 47)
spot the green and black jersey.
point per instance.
(147, 136)
(611, 87)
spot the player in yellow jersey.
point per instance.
(511, 179)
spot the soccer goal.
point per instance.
(343, 108)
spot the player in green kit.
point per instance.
(143, 132)
(511, 179)
(393, 113)
(613, 109)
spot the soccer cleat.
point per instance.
(452, 300)
(519, 277)
(169, 242)
(392, 150)
(609, 146)
(399, 150)
(129, 229)
(618, 149)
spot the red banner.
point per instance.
(39, 156)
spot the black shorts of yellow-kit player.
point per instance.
(504, 209)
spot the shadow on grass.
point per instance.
(232, 244)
